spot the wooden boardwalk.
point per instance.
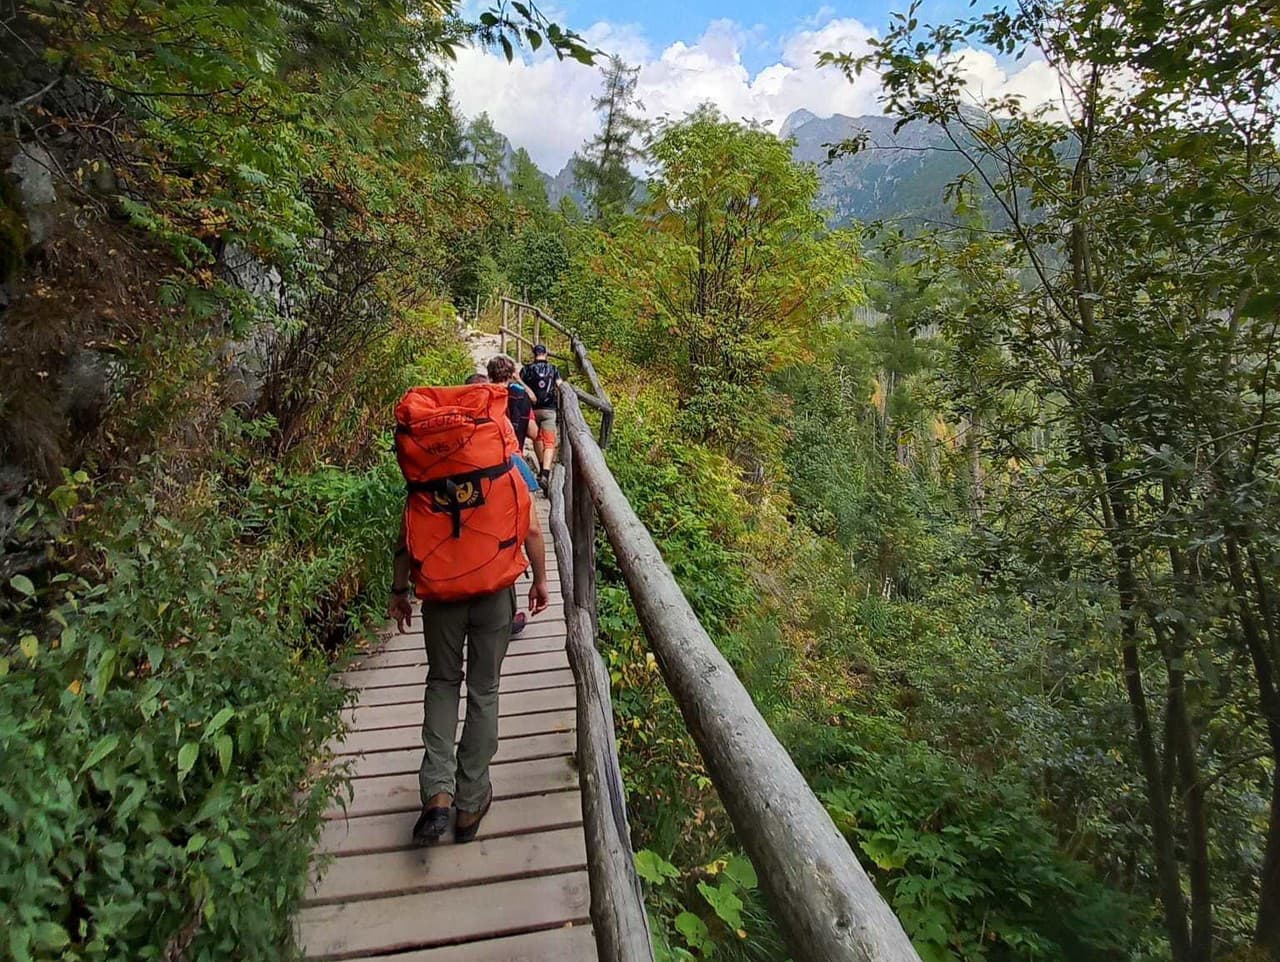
(519, 892)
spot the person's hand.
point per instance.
(539, 597)
(400, 610)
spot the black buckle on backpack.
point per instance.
(457, 492)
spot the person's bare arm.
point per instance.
(400, 608)
(535, 547)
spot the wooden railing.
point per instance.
(827, 907)
(512, 331)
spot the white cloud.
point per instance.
(544, 105)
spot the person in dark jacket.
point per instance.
(543, 380)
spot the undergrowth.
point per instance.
(165, 699)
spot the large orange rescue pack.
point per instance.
(467, 513)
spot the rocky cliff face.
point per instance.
(899, 176)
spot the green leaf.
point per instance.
(226, 855)
(693, 929)
(187, 756)
(219, 720)
(22, 584)
(223, 746)
(50, 935)
(740, 869)
(106, 671)
(884, 852)
(30, 646)
(725, 902)
(653, 868)
(196, 843)
(105, 747)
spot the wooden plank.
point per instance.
(487, 860)
(410, 736)
(828, 909)
(388, 831)
(511, 750)
(518, 664)
(400, 694)
(395, 793)
(415, 655)
(398, 716)
(412, 640)
(394, 924)
(570, 944)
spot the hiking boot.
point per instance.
(431, 824)
(465, 833)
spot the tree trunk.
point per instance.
(1168, 875)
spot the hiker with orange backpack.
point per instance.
(469, 531)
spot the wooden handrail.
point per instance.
(617, 901)
(827, 907)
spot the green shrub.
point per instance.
(164, 708)
(966, 862)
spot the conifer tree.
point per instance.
(485, 150)
(603, 167)
(444, 133)
(528, 189)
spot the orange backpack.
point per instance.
(467, 512)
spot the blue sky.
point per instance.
(667, 21)
(753, 60)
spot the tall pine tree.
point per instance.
(602, 168)
(444, 131)
(486, 149)
(528, 188)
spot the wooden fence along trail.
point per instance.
(550, 878)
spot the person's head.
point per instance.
(501, 369)
(539, 352)
(477, 378)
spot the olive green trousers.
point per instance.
(483, 626)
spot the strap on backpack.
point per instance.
(448, 489)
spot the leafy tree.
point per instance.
(535, 260)
(603, 168)
(737, 267)
(1145, 216)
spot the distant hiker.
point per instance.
(543, 379)
(469, 531)
(502, 370)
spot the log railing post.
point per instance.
(583, 521)
(618, 915)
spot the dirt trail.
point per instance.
(482, 347)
